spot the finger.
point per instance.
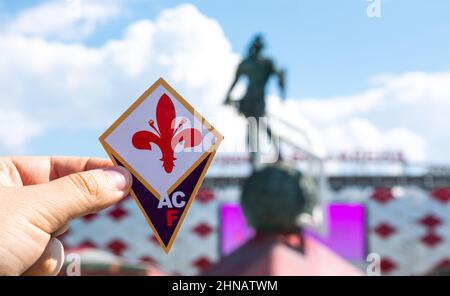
(51, 260)
(63, 166)
(61, 230)
(58, 201)
(37, 170)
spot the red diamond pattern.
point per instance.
(430, 221)
(148, 259)
(204, 195)
(387, 265)
(384, 230)
(117, 247)
(443, 264)
(382, 195)
(87, 244)
(89, 217)
(203, 230)
(153, 239)
(441, 194)
(118, 213)
(431, 239)
(202, 262)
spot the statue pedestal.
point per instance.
(277, 254)
(273, 198)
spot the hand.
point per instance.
(38, 198)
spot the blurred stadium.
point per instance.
(400, 216)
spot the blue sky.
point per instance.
(328, 47)
(331, 50)
(332, 47)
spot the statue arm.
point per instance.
(281, 76)
(236, 79)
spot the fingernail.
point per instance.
(120, 177)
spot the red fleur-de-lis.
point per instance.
(167, 137)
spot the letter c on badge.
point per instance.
(175, 202)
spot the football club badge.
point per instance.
(167, 146)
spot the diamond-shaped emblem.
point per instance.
(167, 146)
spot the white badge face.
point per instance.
(162, 140)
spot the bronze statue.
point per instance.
(258, 69)
(274, 196)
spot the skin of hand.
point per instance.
(38, 198)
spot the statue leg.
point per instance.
(275, 143)
(252, 145)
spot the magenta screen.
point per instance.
(345, 230)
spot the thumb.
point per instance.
(75, 195)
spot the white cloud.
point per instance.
(17, 129)
(406, 112)
(65, 19)
(74, 87)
